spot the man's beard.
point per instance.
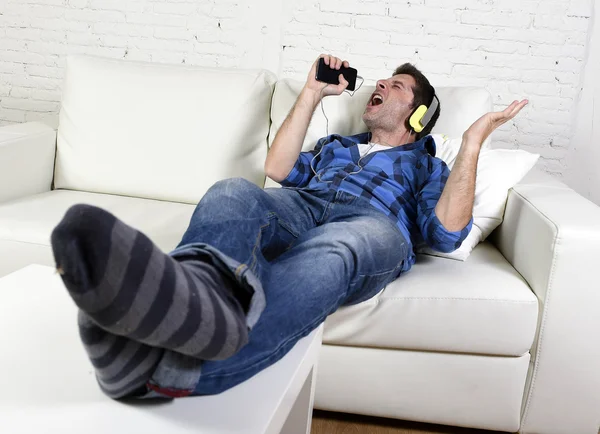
(380, 122)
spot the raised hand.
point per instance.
(485, 125)
(324, 89)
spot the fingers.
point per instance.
(330, 60)
(510, 112)
(521, 105)
(334, 62)
(504, 115)
(343, 83)
(507, 111)
(516, 107)
(339, 88)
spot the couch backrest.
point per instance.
(461, 106)
(160, 131)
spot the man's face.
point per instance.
(390, 104)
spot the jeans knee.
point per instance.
(344, 253)
(232, 188)
(232, 196)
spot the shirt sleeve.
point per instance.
(301, 173)
(434, 233)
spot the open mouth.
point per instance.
(375, 100)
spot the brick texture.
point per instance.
(514, 48)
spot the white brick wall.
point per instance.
(514, 48)
(36, 36)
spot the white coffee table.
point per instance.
(47, 383)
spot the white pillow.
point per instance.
(498, 170)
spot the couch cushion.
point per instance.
(26, 224)
(460, 107)
(481, 306)
(160, 131)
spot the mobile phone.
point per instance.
(330, 75)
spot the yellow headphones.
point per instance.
(422, 115)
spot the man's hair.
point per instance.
(423, 92)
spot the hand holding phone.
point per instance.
(320, 88)
(326, 74)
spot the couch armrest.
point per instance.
(551, 235)
(26, 159)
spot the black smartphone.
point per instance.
(329, 75)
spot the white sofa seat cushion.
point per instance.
(26, 224)
(156, 131)
(481, 306)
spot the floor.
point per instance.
(340, 423)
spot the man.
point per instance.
(258, 269)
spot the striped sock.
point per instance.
(122, 366)
(128, 287)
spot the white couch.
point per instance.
(507, 340)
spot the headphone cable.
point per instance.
(327, 134)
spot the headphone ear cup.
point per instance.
(417, 117)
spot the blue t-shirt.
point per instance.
(405, 182)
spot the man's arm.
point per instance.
(434, 233)
(288, 142)
(287, 145)
(455, 207)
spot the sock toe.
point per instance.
(80, 244)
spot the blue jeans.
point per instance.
(300, 254)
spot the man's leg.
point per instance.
(250, 225)
(122, 365)
(345, 261)
(127, 287)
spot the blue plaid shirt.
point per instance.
(405, 182)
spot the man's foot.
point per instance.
(122, 366)
(128, 287)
